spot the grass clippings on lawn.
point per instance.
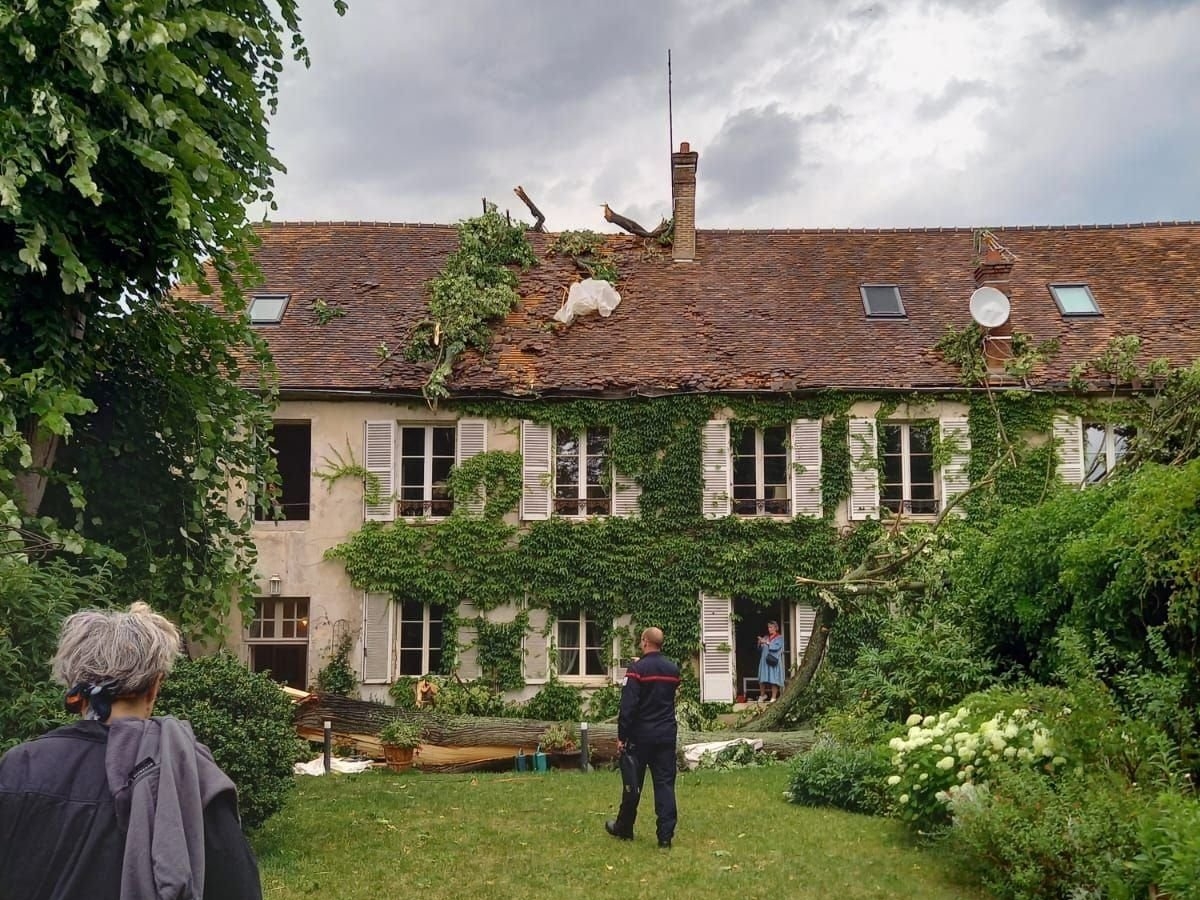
(437, 837)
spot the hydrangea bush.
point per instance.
(944, 760)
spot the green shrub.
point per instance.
(605, 703)
(857, 725)
(924, 663)
(247, 723)
(1026, 836)
(466, 698)
(34, 599)
(337, 676)
(400, 733)
(825, 693)
(1169, 839)
(555, 702)
(849, 778)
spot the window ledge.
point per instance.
(587, 681)
(281, 524)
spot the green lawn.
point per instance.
(381, 835)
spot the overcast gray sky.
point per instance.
(808, 113)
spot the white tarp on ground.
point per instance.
(336, 764)
(589, 295)
(693, 752)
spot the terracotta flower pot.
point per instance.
(398, 758)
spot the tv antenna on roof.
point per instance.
(670, 112)
(989, 307)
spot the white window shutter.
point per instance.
(803, 619)
(715, 460)
(806, 468)
(616, 671)
(536, 647)
(377, 638)
(716, 649)
(467, 666)
(379, 458)
(864, 476)
(470, 439)
(536, 460)
(626, 493)
(1068, 432)
(956, 477)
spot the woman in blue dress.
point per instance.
(770, 663)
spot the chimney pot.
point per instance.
(685, 147)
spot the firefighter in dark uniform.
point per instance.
(646, 733)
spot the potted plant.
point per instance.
(560, 742)
(399, 739)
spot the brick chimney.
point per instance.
(993, 271)
(683, 201)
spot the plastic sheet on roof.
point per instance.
(588, 296)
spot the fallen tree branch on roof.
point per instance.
(633, 227)
(539, 225)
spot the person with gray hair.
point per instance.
(120, 805)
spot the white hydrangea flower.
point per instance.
(893, 780)
(946, 763)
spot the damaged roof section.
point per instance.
(754, 311)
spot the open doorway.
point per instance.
(749, 621)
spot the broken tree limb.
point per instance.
(539, 225)
(870, 577)
(633, 227)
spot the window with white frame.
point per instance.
(426, 457)
(277, 637)
(582, 474)
(1103, 446)
(909, 476)
(421, 637)
(760, 470)
(581, 652)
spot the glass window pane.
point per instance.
(775, 470)
(435, 634)
(443, 442)
(893, 470)
(597, 441)
(882, 300)
(597, 469)
(775, 440)
(921, 469)
(412, 442)
(267, 307)
(920, 438)
(568, 662)
(568, 633)
(1094, 461)
(410, 662)
(412, 634)
(435, 660)
(412, 472)
(289, 628)
(596, 663)
(1122, 435)
(593, 633)
(744, 473)
(1075, 299)
(891, 438)
(742, 439)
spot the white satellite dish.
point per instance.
(989, 307)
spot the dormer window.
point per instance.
(1075, 299)
(882, 301)
(267, 309)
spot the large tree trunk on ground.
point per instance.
(357, 722)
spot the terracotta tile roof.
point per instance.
(759, 310)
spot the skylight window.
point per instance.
(1075, 299)
(267, 309)
(882, 301)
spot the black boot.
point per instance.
(616, 831)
